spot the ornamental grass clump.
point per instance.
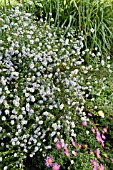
(42, 91)
(88, 15)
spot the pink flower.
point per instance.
(101, 167)
(84, 123)
(66, 153)
(98, 156)
(97, 151)
(102, 142)
(65, 148)
(98, 133)
(59, 145)
(111, 159)
(79, 147)
(94, 163)
(49, 161)
(91, 152)
(73, 143)
(74, 153)
(105, 155)
(104, 130)
(103, 136)
(98, 137)
(93, 129)
(56, 166)
(89, 114)
(95, 168)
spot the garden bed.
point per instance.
(56, 88)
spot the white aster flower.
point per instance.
(40, 122)
(5, 168)
(72, 162)
(102, 62)
(0, 159)
(3, 118)
(16, 103)
(92, 30)
(61, 106)
(32, 98)
(101, 113)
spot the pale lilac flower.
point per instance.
(49, 161)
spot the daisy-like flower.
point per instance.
(101, 167)
(49, 161)
(98, 156)
(79, 147)
(94, 168)
(97, 151)
(0, 159)
(102, 143)
(56, 166)
(111, 159)
(89, 114)
(92, 30)
(84, 123)
(73, 142)
(94, 163)
(93, 129)
(105, 155)
(103, 136)
(66, 153)
(59, 145)
(91, 152)
(98, 137)
(101, 113)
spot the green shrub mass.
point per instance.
(56, 85)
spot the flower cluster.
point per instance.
(49, 163)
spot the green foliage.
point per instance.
(102, 92)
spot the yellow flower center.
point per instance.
(55, 167)
(49, 160)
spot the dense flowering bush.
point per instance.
(43, 95)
